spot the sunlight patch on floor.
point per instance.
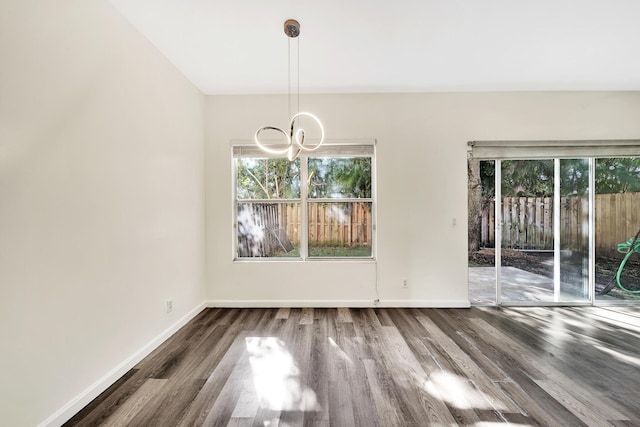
(277, 378)
(458, 392)
(618, 355)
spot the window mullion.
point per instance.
(304, 217)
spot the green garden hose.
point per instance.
(629, 247)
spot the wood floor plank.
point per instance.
(344, 315)
(339, 367)
(125, 414)
(383, 317)
(316, 377)
(307, 316)
(341, 407)
(240, 422)
(384, 400)
(361, 407)
(283, 313)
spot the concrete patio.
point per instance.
(517, 286)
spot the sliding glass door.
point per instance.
(572, 221)
(561, 219)
(617, 229)
(544, 231)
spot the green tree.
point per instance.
(340, 177)
(527, 178)
(574, 177)
(268, 178)
(617, 175)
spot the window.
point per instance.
(331, 215)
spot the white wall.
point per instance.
(422, 186)
(101, 200)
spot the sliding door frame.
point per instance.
(556, 150)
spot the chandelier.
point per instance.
(295, 134)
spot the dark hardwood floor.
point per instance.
(386, 367)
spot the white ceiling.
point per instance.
(346, 46)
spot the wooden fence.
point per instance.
(257, 223)
(265, 229)
(340, 224)
(331, 224)
(617, 220)
(528, 222)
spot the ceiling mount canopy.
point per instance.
(292, 28)
(295, 134)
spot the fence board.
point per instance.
(488, 223)
(539, 231)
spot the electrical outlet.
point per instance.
(405, 283)
(169, 305)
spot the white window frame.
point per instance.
(330, 149)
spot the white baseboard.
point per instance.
(338, 303)
(424, 304)
(76, 404)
